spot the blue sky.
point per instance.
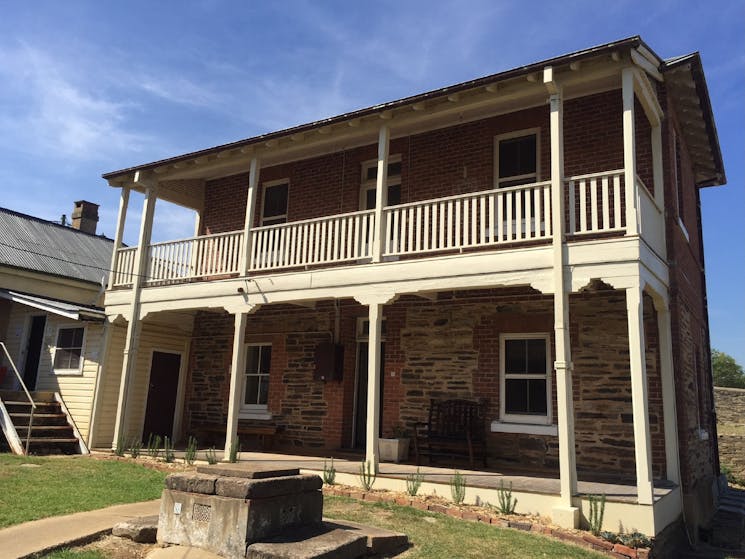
(90, 87)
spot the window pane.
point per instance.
(61, 358)
(394, 194)
(537, 397)
(370, 199)
(64, 338)
(252, 359)
(516, 395)
(514, 356)
(263, 389)
(394, 169)
(536, 356)
(372, 172)
(517, 156)
(266, 359)
(252, 389)
(275, 200)
(77, 337)
(74, 359)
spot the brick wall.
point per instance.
(443, 349)
(444, 162)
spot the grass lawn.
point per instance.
(53, 486)
(436, 536)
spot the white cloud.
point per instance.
(60, 113)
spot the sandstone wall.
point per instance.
(730, 406)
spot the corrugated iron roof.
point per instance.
(44, 246)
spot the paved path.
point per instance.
(50, 533)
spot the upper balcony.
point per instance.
(516, 216)
(470, 202)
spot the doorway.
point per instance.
(360, 407)
(161, 395)
(33, 351)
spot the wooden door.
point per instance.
(161, 395)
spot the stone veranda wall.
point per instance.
(730, 406)
(439, 349)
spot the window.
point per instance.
(525, 380)
(68, 351)
(516, 158)
(256, 385)
(274, 209)
(369, 179)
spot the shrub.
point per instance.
(191, 451)
(414, 482)
(458, 487)
(506, 503)
(367, 475)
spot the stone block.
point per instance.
(192, 483)
(140, 530)
(307, 544)
(246, 471)
(379, 541)
(242, 488)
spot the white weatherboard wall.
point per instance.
(76, 389)
(152, 339)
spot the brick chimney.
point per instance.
(85, 216)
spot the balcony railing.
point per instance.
(519, 214)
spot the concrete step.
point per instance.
(311, 543)
(336, 539)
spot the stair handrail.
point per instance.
(28, 395)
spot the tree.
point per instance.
(727, 371)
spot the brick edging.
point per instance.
(585, 540)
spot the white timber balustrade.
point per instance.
(197, 257)
(326, 240)
(124, 266)
(651, 219)
(595, 202)
(504, 215)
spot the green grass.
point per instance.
(436, 536)
(74, 554)
(63, 485)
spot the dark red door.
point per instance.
(161, 395)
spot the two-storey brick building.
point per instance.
(530, 240)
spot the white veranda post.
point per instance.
(134, 326)
(373, 384)
(639, 394)
(237, 370)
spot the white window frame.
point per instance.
(265, 186)
(69, 372)
(371, 184)
(522, 418)
(253, 411)
(517, 134)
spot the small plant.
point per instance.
(121, 445)
(634, 539)
(210, 455)
(135, 447)
(153, 445)
(235, 448)
(329, 473)
(597, 511)
(168, 454)
(506, 503)
(191, 451)
(367, 475)
(458, 487)
(414, 482)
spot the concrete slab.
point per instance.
(308, 543)
(249, 471)
(39, 536)
(379, 540)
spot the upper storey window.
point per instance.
(274, 209)
(517, 160)
(369, 179)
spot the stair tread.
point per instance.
(52, 440)
(27, 403)
(19, 414)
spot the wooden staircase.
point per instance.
(52, 430)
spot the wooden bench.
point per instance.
(265, 433)
(455, 428)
